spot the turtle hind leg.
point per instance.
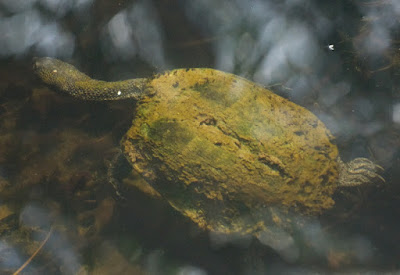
(116, 164)
(359, 171)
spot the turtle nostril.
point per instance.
(37, 63)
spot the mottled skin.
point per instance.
(67, 78)
(221, 149)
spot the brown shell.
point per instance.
(219, 148)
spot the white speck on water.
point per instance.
(331, 47)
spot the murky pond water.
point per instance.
(59, 212)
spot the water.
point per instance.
(339, 60)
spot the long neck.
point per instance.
(68, 79)
(92, 89)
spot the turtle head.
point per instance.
(56, 73)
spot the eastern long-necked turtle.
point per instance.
(220, 148)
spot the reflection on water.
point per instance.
(55, 151)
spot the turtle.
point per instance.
(222, 150)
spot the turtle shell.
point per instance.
(218, 147)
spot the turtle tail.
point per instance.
(359, 171)
(66, 78)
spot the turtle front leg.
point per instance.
(359, 171)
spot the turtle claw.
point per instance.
(359, 171)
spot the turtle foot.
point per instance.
(111, 174)
(359, 171)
